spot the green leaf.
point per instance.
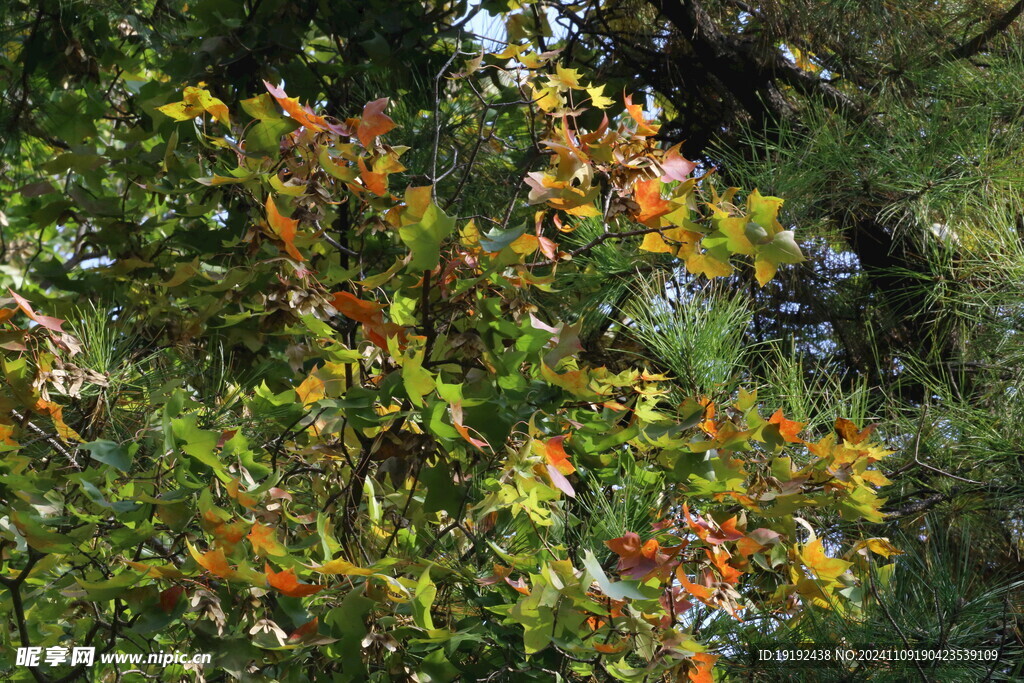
(616, 590)
(496, 240)
(109, 453)
(424, 238)
(425, 593)
(264, 138)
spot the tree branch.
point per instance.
(978, 42)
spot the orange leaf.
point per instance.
(244, 498)
(228, 535)
(376, 183)
(288, 584)
(303, 115)
(747, 546)
(283, 227)
(720, 558)
(787, 428)
(556, 455)
(647, 194)
(56, 414)
(702, 665)
(367, 312)
(374, 122)
(611, 648)
(702, 593)
(849, 432)
(214, 562)
(43, 320)
(264, 541)
(456, 409)
(6, 431)
(636, 111)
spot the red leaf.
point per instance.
(675, 166)
(308, 629)
(43, 320)
(169, 598)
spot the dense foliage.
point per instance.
(341, 344)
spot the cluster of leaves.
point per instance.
(403, 488)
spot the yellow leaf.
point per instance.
(879, 546)
(654, 243)
(824, 567)
(194, 102)
(343, 568)
(311, 390)
(597, 98)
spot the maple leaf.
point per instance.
(264, 541)
(456, 410)
(303, 115)
(42, 320)
(554, 450)
(644, 128)
(227, 535)
(213, 561)
(374, 122)
(849, 432)
(879, 546)
(702, 593)
(709, 531)
(244, 498)
(194, 102)
(787, 428)
(638, 560)
(377, 183)
(597, 97)
(823, 566)
(647, 194)
(169, 598)
(6, 432)
(305, 631)
(56, 413)
(311, 390)
(343, 567)
(287, 583)
(674, 166)
(371, 315)
(283, 227)
(701, 666)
